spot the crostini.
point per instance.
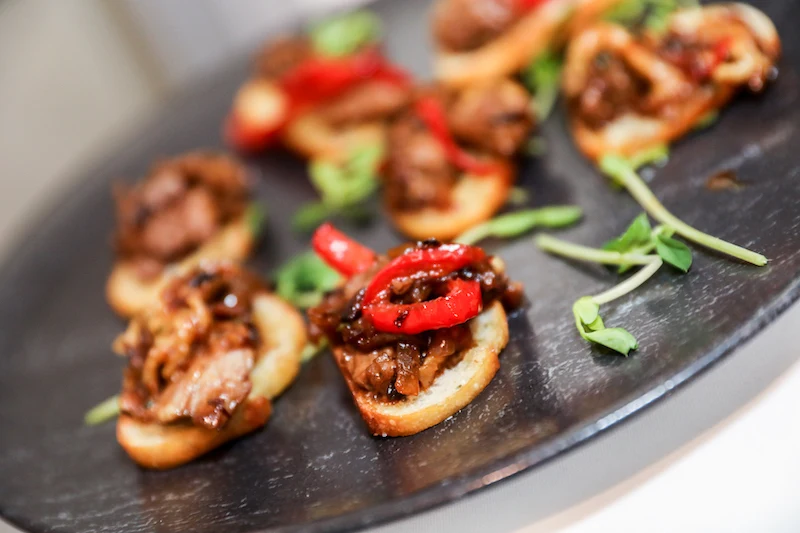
(320, 104)
(480, 40)
(204, 363)
(627, 92)
(416, 333)
(187, 209)
(450, 157)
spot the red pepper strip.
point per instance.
(342, 253)
(310, 83)
(432, 114)
(523, 6)
(318, 79)
(421, 262)
(461, 303)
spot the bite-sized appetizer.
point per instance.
(185, 210)
(627, 92)
(416, 333)
(203, 364)
(449, 157)
(322, 94)
(479, 40)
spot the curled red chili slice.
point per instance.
(432, 114)
(524, 6)
(341, 252)
(421, 263)
(462, 302)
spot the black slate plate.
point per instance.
(314, 467)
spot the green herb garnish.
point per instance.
(305, 279)
(255, 216)
(344, 34)
(311, 350)
(342, 187)
(633, 248)
(102, 412)
(650, 14)
(542, 77)
(623, 172)
(519, 222)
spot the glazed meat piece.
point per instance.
(176, 208)
(418, 172)
(366, 102)
(281, 55)
(612, 89)
(495, 117)
(393, 365)
(461, 25)
(189, 360)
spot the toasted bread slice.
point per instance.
(474, 199)
(128, 294)
(631, 133)
(450, 392)
(509, 53)
(312, 137)
(161, 446)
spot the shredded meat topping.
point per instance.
(613, 89)
(176, 208)
(494, 119)
(393, 366)
(462, 25)
(369, 101)
(281, 55)
(190, 358)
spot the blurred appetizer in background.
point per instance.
(629, 90)
(204, 362)
(323, 94)
(479, 40)
(417, 332)
(187, 209)
(449, 157)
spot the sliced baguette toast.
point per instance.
(161, 446)
(451, 391)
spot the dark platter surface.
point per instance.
(314, 467)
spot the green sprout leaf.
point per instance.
(345, 34)
(255, 216)
(650, 14)
(586, 310)
(311, 350)
(342, 187)
(542, 78)
(305, 279)
(102, 412)
(637, 234)
(519, 222)
(707, 120)
(623, 172)
(518, 196)
(617, 339)
(674, 252)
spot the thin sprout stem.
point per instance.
(584, 253)
(642, 194)
(631, 283)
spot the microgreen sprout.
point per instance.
(344, 34)
(342, 187)
(634, 247)
(623, 172)
(519, 222)
(102, 412)
(305, 279)
(542, 77)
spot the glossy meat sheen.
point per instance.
(191, 358)
(461, 25)
(393, 365)
(176, 208)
